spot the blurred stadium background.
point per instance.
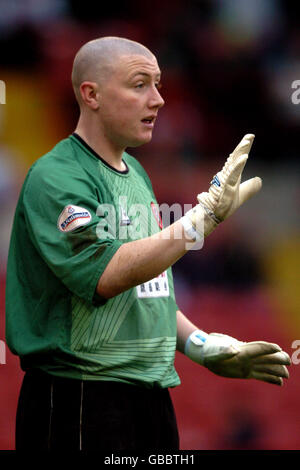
(228, 69)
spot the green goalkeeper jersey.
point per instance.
(73, 214)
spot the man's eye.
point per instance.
(158, 86)
(139, 85)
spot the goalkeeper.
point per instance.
(92, 315)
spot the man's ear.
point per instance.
(90, 95)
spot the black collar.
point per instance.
(123, 172)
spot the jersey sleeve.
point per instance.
(62, 216)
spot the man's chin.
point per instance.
(141, 141)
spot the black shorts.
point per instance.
(64, 414)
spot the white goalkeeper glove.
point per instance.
(228, 357)
(225, 193)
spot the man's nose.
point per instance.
(156, 100)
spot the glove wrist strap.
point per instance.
(211, 214)
(194, 345)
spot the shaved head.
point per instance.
(97, 59)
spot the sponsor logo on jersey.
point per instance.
(156, 215)
(157, 287)
(73, 217)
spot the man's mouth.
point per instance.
(149, 121)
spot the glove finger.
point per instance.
(236, 171)
(265, 377)
(274, 369)
(249, 188)
(259, 348)
(277, 358)
(243, 147)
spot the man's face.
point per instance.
(130, 100)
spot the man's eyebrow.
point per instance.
(146, 74)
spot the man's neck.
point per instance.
(112, 155)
